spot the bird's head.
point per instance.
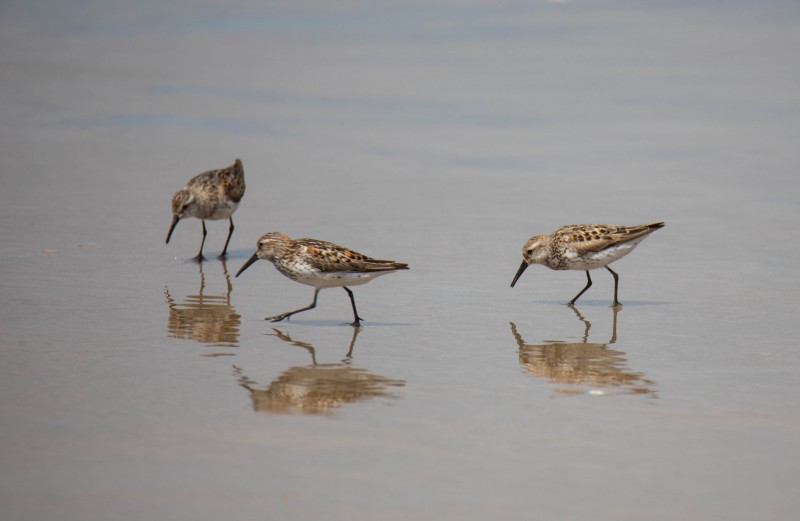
(268, 247)
(182, 203)
(181, 207)
(534, 252)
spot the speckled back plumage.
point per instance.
(226, 183)
(212, 195)
(330, 257)
(584, 247)
(320, 264)
(581, 240)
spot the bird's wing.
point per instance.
(331, 257)
(233, 181)
(586, 238)
(203, 180)
(591, 238)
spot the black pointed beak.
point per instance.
(522, 268)
(247, 264)
(175, 220)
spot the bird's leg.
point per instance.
(230, 232)
(616, 285)
(278, 318)
(358, 320)
(200, 257)
(588, 285)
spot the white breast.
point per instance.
(335, 279)
(223, 210)
(601, 258)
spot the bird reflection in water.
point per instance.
(587, 367)
(319, 388)
(208, 319)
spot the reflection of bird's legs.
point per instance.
(517, 336)
(202, 281)
(349, 354)
(170, 300)
(587, 324)
(227, 281)
(588, 285)
(308, 347)
(305, 345)
(613, 325)
(244, 381)
(278, 318)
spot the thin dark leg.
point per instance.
(358, 320)
(278, 318)
(230, 232)
(616, 285)
(200, 257)
(588, 285)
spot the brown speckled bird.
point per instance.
(584, 247)
(319, 264)
(211, 195)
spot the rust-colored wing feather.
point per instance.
(327, 256)
(590, 238)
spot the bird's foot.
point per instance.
(357, 322)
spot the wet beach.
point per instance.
(137, 384)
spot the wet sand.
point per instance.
(136, 384)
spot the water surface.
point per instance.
(136, 384)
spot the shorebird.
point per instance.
(319, 264)
(584, 247)
(211, 195)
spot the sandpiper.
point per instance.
(319, 264)
(211, 195)
(584, 247)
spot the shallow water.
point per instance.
(136, 384)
